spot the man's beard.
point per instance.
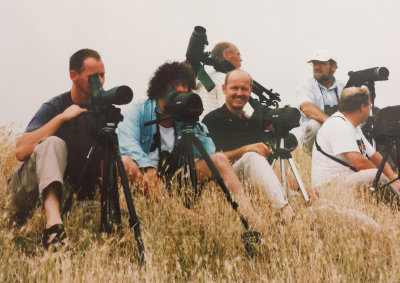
(324, 78)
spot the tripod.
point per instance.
(387, 147)
(284, 154)
(107, 140)
(183, 155)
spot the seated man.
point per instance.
(341, 153)
(50, 152)
(140, 145)
(241, 141)
(318, 97)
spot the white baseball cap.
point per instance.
(323, 55)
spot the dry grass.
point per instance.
(324, 243)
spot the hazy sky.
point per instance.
(275, 38)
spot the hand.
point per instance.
(260, 148)
(152, 183)
(72, 112)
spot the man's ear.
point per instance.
(334, 66)
(225, 54)
(73, 75)
(224, 89)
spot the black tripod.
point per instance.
(284, 154)
(107, 141)
(387, 148)
(183, 156)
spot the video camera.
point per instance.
(185, 107)
(197, 58)
(102, 101)
(283, 119)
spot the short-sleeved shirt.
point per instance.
(312, 91)
(229, 131)
(336, 137)
(79, 135)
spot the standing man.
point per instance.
(341, 153)
(318, 97)
(215, 98)
(243, 142)
(141, 145)
(50, 147)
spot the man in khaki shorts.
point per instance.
(53, 148)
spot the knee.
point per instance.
(252, 158)
(52, 142)
(313, 126)
(219, 159)
(131, 167)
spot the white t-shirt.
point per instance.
(336, 137)
(215, 98)
(167, 136)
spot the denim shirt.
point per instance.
(135, 138)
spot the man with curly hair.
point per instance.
(140, 145)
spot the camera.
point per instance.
(362, 77)
(185, 107)
(119, 95)
(283, 119)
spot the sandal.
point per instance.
(57, 241)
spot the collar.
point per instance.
(230, 115)
(333, 86)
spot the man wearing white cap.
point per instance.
(318, 97)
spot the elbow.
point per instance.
(20, 155)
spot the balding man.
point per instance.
(342, 155)
(242, 141)
(215, 98)
(318, 97)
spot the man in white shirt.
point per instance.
(318, 96)
(215, 98)
(341, 138)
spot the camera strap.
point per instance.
(323, 99)
(333, 157)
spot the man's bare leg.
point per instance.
(51, 202)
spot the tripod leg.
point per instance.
(133, 218)
(283, 175)
(220, 181)
(190, 160)
(283, 169)
(298, 179)
(386, 151)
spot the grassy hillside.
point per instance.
(343, 236)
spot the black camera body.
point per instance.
(185, 107)
(282, 119)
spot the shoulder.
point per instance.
(213, 116)
(60, 101)
(337, 125)
(308, 83)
